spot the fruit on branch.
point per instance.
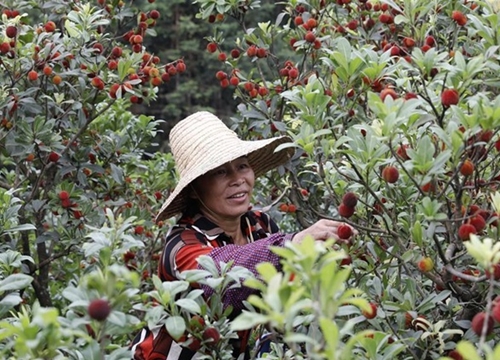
(467, 168)
(478, 321)
(372, 312)
(449, 97)
(390, 174)
(346, 211)
(350, 199)
(425, 264)
(211, 335)
(465, 230)
(99, 309)
(344, 231)
(459, 17)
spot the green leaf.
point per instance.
(175, 326)
(189, 305)
(467, 350)
(15, 282)
(247, 320)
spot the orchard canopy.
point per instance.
(394, 112)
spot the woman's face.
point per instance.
(226, 190)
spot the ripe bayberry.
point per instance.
(390, 174)
(449, 97)
(344, 231)
(99, 309)
(350, 199)
(211, 336)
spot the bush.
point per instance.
(392, 107)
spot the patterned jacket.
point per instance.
(191, 238)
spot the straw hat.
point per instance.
(202, 142)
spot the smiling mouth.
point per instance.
(238, 195)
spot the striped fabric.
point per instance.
(192, 237)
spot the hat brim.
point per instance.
(262, 157)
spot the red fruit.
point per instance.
(346, 211)
(478, 323)
(467, 168)
(113, 90)
(97, 83)
(261, 53)
(311, 23)
(350, 199)
(390, 174)
(211, 336)
(235, 53)
(4, 48)
(180, 67)
(410, 95)
(497, 145)
(54, 157)
(455, 355)
(370, 314)
(310, 37)
(154, 14)
(430, 41)
(386, 18)
(33, 75)
(99, 309)
(388, 92)
(478, 222)
(234, 81)
(495, 311)
(11, 31)
(401, 152)
(98, 47)
(50, 26)
(158, 195)
(56, 80)
(425, 264)
(449, 97)
(112, 65)
(222, 57)
(496, 276)
(353, 24)
(284, 207)
(293, 73)
(138, 230)
(304, 192)
(346, 261)
(63, 195)
(292, 208)
(47, 70)
(224, 83)
(465, 230)
(212, 47)
(117, 52)
(344, 231)
(252, 51)
(194, 344)
(459, 17)
(298, 20)
(408, 42)
(197, 323)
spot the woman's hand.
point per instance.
(323, 230)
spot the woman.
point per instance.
(217, 175)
